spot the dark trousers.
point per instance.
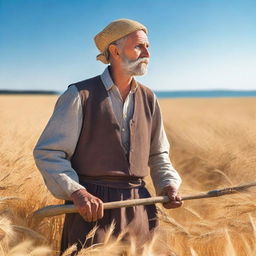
(138, 221)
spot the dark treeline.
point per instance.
(33, 92)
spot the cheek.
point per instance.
(133, 54)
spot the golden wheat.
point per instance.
(213, 144)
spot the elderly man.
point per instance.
(103, 135)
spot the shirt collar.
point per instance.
(106, 79)
(134, 85)
(108, 82)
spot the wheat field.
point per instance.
(213, 145)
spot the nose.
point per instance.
(145, 52)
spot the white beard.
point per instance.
(135, 67)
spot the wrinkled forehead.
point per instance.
(138, 36)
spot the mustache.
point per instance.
(131, 65)
(141, 60)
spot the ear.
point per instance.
(114, 51)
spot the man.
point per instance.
(101, 138)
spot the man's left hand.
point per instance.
(175, 199)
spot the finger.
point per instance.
(94, 210)
(87, 212)
(172, 204)
(172, 194)
(100, 212)
(178, 198)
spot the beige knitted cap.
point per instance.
(114, 31)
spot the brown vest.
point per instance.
(99, 150)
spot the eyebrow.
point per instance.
(140, 43)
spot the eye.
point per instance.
(141, 46)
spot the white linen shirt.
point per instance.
(57, 143)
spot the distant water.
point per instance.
(160, 94)
(205, 94)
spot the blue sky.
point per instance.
(195, 44)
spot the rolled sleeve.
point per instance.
(161, 169)
(57, 144)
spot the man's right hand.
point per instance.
(89, 206)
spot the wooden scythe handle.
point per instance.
(54, 210)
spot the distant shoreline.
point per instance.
(159, 94)
(25, 92)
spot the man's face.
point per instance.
(134, 53)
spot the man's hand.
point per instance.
(89, 206)
(173, 195)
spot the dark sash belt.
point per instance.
(122, 182)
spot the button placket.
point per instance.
(125, 107)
